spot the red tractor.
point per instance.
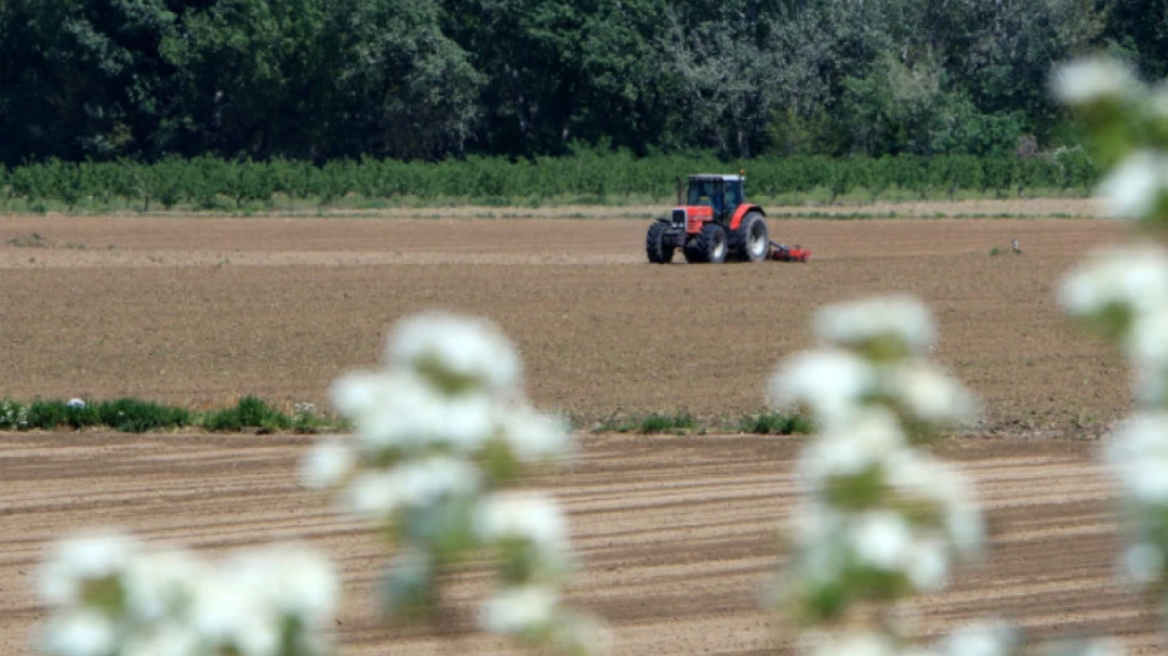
(714, 225)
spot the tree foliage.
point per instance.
(428, 79)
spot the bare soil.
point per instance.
(201, 310)
(677, 533)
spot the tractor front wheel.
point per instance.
(659, 246)
(750, 240)
(709, 246)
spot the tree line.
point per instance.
(316, 80)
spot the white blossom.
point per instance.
(84, 558)
(1138, 454)
(327, 464)
(446, 345)
(1146, 341)
(927, 565)
(1143, 563)
(158, 584)
(919, 479)
(849, 449)
(1133, 277)
(166, 639)
(523, 515)
(900, 318)
(582, 635)
(882, 539)
(851, 643)
(985, 638)
(293, 581)
(929, 394)
(229, 614)
(1090, 79)
(1132, 189)
(401, 410)
(831, 383)
(519, 609)
(532, 436)
(80, 632)
(377, 494)
(1150, 382)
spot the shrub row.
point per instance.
(684, 423)
(253, 414)
(213, 184)
(136, 416)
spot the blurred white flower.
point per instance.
(532, 435)
(581, 635)
(851, 643)
(920, 481)
(1143, 563)
(157, 585)
(929, 394)
(447, 346)
(882, 539)
(1133, 187)
(228, 614)
(1147, 340)
(327, 464)
(850, 449)
(523, 515)
(80, 632)
(1138, 455)
(927, 567)
(292, 581)
(75, 403)
(87, 557)
(166, 639)
(1090, 79)
(376, 494)
(831, 383)
(1133, 277)
(400, 410)
(520, 609)
(1150, 382)
(985, 638)
(900, 318)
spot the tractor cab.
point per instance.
(721, 193)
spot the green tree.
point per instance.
(82, 78)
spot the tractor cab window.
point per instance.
(734, 194)
(705, 192)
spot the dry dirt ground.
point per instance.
(677, 533)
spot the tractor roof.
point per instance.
(716, 177)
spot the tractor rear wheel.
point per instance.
(709, 246)
(750, 241)
(658, 246)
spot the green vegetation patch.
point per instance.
(129, 415)
(775, 423)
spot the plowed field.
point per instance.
(677, 533)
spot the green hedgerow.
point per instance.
(249, 412)
(654, 423)
(136, 416)
(775, 423)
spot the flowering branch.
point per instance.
(443, 435)
(880, 520)
(1122, 292)
(110, 595)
